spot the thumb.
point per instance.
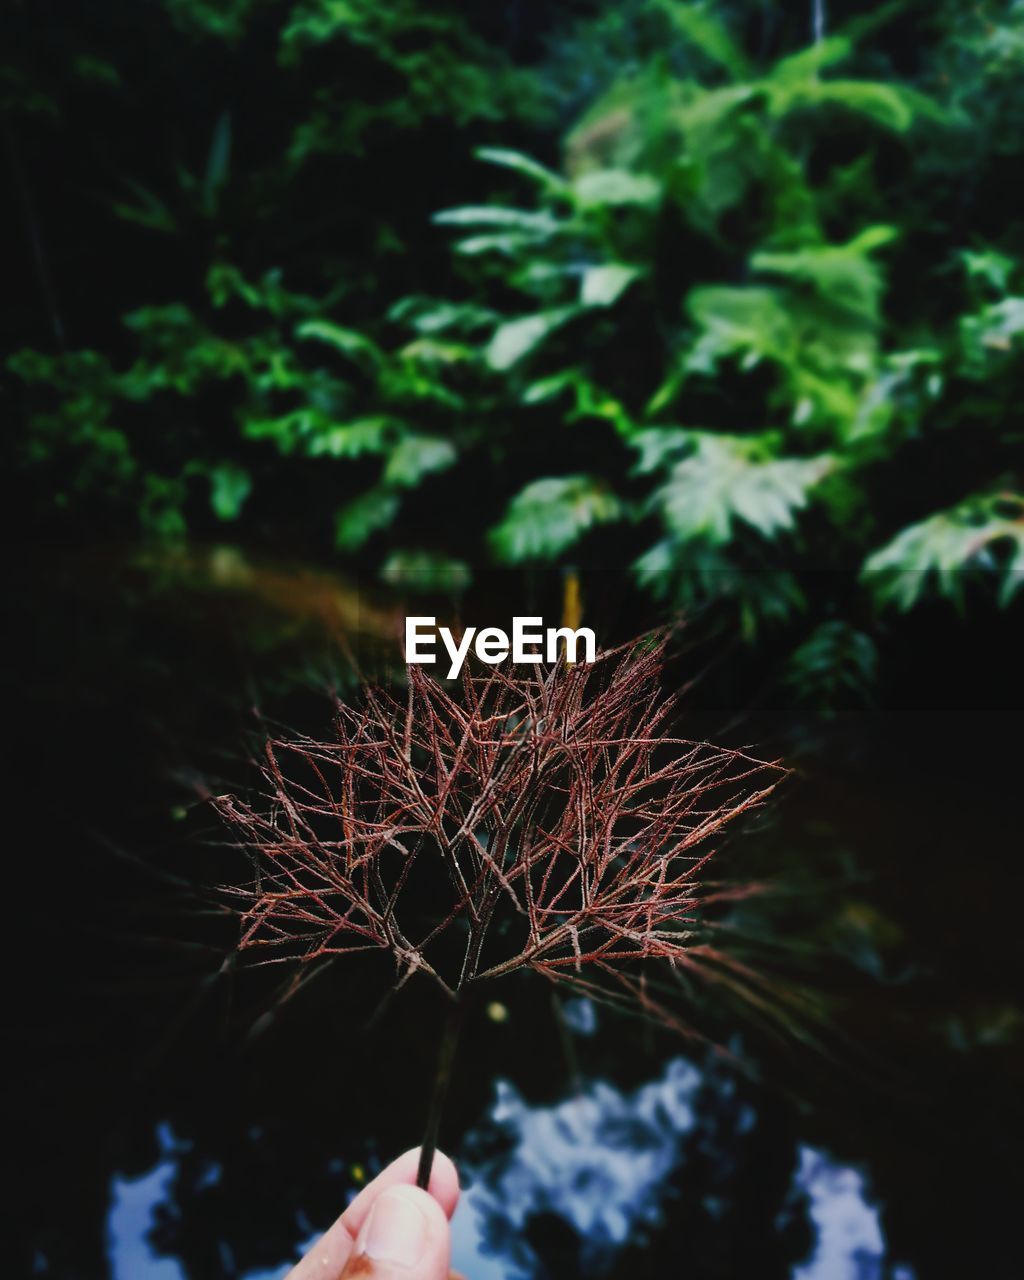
(405, 1237)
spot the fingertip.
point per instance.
(443, 1187)
(405, 1233)
(426, 1202)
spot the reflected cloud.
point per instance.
(600, 1174)
(132, 1216)
(595, 1160)
(608, 1163)
(849, 1241)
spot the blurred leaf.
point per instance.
(728, 478)
(842, 274)
(519, 163)
(148, 210)
(795, 83)
(429, 316)
(345, 439)
(492, 215)
(230, 485)
(589, 399)
(517, 338)
(991, 333)
(826, 355)
(994, 268)
(797, 68)
(348, 341)
(615, 187)
(983, 534)
(225, 282)
(222, 19)
(510, 244)
(363, 516)
(417, 456)
(690, 573)
(161, 504)
(605, 284)
(702, 29)
(752, 322)
(658, 446)
(315, 434)
(97, 71)
(836, 664)
(425, 571)
(550, 515)
(218, 162)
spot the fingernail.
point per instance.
(395, 1230)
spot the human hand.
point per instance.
(392, 1230)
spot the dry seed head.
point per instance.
(546, 820)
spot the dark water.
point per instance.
(159, 1122)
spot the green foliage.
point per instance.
(549, 516)
(983, 535)
(726, 479)
(758, 305)
(357, 520)
(806, 389)
(436, 64)
(836, 664)
(423, 571)
(415, 457)
(515, 339)
(222, 19)
(230, 485)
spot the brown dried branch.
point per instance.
(544, 821)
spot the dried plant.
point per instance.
(545, 821)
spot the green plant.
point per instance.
(754, 335)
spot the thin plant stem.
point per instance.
(572, 1062)
(442, 1079)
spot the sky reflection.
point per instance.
(134, 1202)
(601, 1161)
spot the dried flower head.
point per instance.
(545, 820)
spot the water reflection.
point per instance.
(849, 1244)
(135, 1203)
(606, 1164)
(578, 1187)
(596, 1161)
